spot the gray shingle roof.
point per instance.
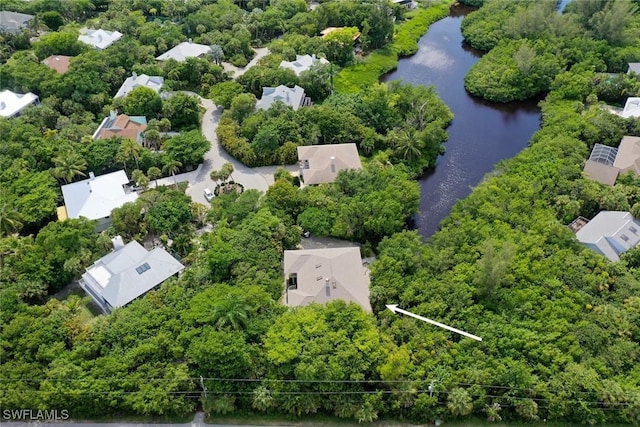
(128, 273)
(152, 82)
(321, 163)
(13, 22)
(291, 97)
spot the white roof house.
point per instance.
(323, 275)
(11, 103)
(634, 67)
(631, 108)
(291, 97)
(610, 233)
(99, 39)
(127, 273)
(302, 63)
(152, 82)
(321, 163)
(13, 22)
(185, 50)
(97, 196)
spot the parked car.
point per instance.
(208, 194)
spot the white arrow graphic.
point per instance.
(394, 308)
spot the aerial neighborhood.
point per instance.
(408, 211)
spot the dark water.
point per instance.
(481, 134)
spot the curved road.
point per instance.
(259, 178)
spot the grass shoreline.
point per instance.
(382, 61)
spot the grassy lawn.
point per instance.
(369, 69)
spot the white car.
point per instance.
(208, 194)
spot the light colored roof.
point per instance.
(13, 22)
(96, 197)
(12, 103)
(291, 97)
(321, 163)
(59, 63)
(129, 272)
(99, 39)
(302, 63)
(634, 67)
(324, 275)
(152, 82)
(628, 158)
(330, 30)
(601, 172)
(185, 50)
(124, 126)
(611, 233)
(631, 108)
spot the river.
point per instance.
(481, 134)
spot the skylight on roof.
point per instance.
(604, 154)
(144, 267)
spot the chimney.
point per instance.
(327, 287)
(118, 243)
(189, 41)
(92, 176)
(134, 75)
(112, 114)
(333, 164)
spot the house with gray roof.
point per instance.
(293, 97)
(127, 273)
(99, 39)
(631, 108)
(94, 198)
(185, 50)
(634, 67)
(609, 233)
(12, 104)
(321, 164)
(13, 22)
(302, 63)
(323, 275)
(152, 82)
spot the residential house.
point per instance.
(152, 82)
(13, 22)
(293, 97)
(99, 39)
(634, 67)
(185, 50)
(128, 272)
(330, 30)
(302, 63)
(58, 63)
(321, 163)
(600, 166)
(609, 233)
(12, 104)
(628, 158)
(323, 275)
(631, 108)
(606, 163)
(131, 127)
(409, 4)
(94, 198)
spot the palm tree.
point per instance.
(459, 402)
(216, 54)
(129, 149)
(226, 171)
(154, 173)
(172, 166)
(68, 165)
(10, 220)
(232, 311)
(408, 144)
(152, 138)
